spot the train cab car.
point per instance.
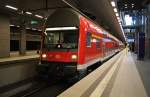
(71, 43)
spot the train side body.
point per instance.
(91, 41)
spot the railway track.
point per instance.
(37, 86)
(45, 89)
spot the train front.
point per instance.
(59, 52)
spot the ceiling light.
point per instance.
(115, 9)
(39, 30)
(34, 29)
(117, 14)
(118, 18)
(11, 25)
(132, 4)
(125, 5)
(28, 13)
(27, 28)
(39, 16)
(113, 4)
(61, 28)
(11, 7)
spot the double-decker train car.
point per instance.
(72, 43)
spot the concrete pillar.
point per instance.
(147, 37)
(140, 35)
(136, 42)
(22, 46)
(147, 32)
(141, 46)
(4, 36)
(136, 33)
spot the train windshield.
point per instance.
(61, 40)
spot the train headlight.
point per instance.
(74, 57)
(44, 55)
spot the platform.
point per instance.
(14, 56)
(128, 82)
(143, 67)
(121, 80)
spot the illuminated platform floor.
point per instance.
(128, 82)
(143, 67)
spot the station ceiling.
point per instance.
(101, 9)
(126, 5)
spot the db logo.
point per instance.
(57, 56)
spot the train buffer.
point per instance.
(118, 77)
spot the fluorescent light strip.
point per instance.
(27, 28)
(34, 29)
(39, 16)
(115, 9)
(11, 7)
(28, 13)
(14, 26)
(117, 14)
(118, 18)
(11, 25)
(61, 28)
(113, 4)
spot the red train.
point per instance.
(72, 43)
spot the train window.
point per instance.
(88, 39)
(97, 43)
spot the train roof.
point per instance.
(63, 18)
(67, 17)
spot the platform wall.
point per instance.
(15, 72)
(4, 36)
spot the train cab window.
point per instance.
(61, 40)
(88, 39)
